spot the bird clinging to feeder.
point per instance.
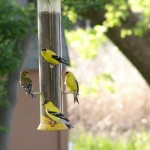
(72, 85)
(26, 83)
(54, 113)
(52, 58)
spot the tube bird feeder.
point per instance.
(49, 36)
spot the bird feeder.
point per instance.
(49, 36)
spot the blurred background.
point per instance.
(107, 42)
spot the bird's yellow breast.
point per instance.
(48, 56)
(71, 84)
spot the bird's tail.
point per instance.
(67, 123)
(60, 59)
(76, 98)
(32, 95)
(63, 119)
(64, 61)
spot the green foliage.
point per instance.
(141, 27)
(115, 13)
(84, 5)
(143, 8)
(4, 129)
(72, 10)
(69, 15)
(126, 32)
(3, 91)
(86, 42)
(137, 141)
(14, 23)
(91, 88)
(141, 140)
(80, 6)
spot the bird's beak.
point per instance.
(65, 73)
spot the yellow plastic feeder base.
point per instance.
(47, 124)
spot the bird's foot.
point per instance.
(51, 66)
(52, 123)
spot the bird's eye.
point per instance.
(66, 72)
(43, 49)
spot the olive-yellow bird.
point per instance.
(26, 83)
(52, 58)
(72, 85)
(54, 113)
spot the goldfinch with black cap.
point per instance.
(52, 58)
(54, 113)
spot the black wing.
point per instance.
(28, 88)
(60, 59)
(59, 115)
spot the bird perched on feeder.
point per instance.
(72, 85)
(26, 83)
(54, 113)
(52, 58)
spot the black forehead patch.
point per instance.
(45, 102)
(43, 49)
(67, 72)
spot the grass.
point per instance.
(137, 141)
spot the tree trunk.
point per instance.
(135, 49)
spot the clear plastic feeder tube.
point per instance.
(49, 37)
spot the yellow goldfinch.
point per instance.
(54, 113)
(26, 83)
(52, 58)
(72, 85)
